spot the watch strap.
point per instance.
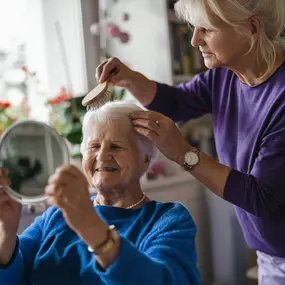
(112, 236)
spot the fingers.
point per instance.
(4, 197)
(58, 197)
(108, 68)
(64, 174)
(3, 172)
(3, 192)
(115, 76)
(60, 178)
(99, 70)
(151, 135)
(146, 124)
(147, 115)
(54, 190)
(4, 180)
(70, 169)
(65, 182)
(53, 201)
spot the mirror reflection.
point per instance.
(31, 151)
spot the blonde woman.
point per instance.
(244, 89)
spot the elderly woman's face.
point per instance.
(221, 46)
(112, 158)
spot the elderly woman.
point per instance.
(244, 89)
(125, 239)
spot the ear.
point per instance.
(255, 26)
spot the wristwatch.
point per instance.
(112, 238)
(191, 159)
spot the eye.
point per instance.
(116, 147)
(94, 146)
(191, 27)
(207, 30)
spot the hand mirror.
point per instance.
(31, 151)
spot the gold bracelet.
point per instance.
(112, 237)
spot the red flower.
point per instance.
(4, 104)
(25, 69)
(63, 96)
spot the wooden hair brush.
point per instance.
(98, 96)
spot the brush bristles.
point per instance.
(99, 101)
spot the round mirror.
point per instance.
(31, 151)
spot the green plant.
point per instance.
(10, 114)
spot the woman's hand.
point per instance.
(119, 72)
(10, 210)
(67, 189)
(10, 213)
(136, 83)
(163, 132)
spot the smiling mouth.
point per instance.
(106, 169)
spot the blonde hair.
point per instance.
(271, 14)
(114, 111)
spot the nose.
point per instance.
(197, 38)
(103, 154)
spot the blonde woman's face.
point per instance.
(221, 46)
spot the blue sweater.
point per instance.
(157, 248)
(249, 128)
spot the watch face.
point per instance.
(191, 158)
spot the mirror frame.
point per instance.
(31, 200)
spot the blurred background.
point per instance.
(49, 51)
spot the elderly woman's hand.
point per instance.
(67, 189)
(163, 132)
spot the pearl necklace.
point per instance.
(130, 207)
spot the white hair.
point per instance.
(271, 14)
(113, 111)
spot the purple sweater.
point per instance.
(249, 128)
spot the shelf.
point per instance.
(182, 78)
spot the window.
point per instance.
(43, 46)
(22, 74)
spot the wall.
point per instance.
(36, 58)
(65, 63)
(149, 48)
(73, 67)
